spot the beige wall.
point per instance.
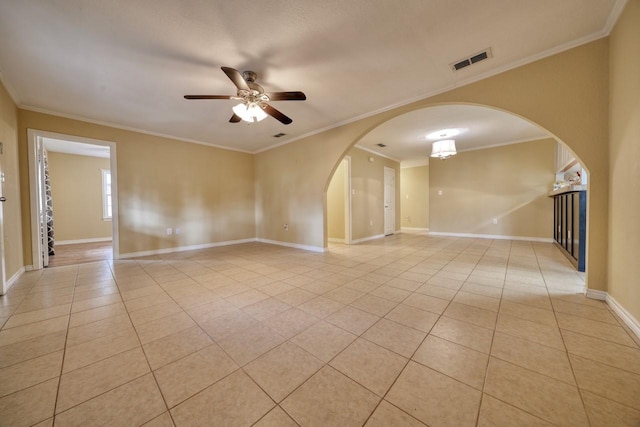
(205, 191)
(367, 198)
(76, 191)
(624, 160)
(508, 183)
(291, 180)
(414, 197)
(11, 186)
(336, 203)
(549, 92)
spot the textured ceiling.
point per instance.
(128, 63)
(77, 148)
(405, 136)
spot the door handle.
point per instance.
(3, 199)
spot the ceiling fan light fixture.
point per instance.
(443, 149)
(250, 112)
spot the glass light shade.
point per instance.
(250, 112)
(443, 149)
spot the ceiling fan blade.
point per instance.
(276, 114)
(287, 96)
(235, 119)
(236, 78)
(207, 97)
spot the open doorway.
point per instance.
(74, 193)
(339, 204)
(3, 278)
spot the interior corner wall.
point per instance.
(508, 184)
(76, 193)
(367, 198)
(414, 197)
(207, 192)
(11, 209)
(336, 204)
(624, 160)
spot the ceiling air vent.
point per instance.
(279, 135)
(472, 59)
(381, 145)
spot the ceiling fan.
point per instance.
(254, 101)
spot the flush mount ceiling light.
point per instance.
(249, 112)
(443, 149)
(444, 133)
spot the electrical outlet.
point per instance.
(495, 221)
(371, 223)
(177, 230)
(169, 231)
(286, 227)
(440, 192)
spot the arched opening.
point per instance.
(506, 197)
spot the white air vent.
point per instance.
(472, 59)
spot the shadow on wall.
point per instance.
(495, 191)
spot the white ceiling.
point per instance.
(77, 148)
(480, 127)
(129, 63)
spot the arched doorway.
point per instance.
(512, 204)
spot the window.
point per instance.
(106, 195)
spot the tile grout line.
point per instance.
(409, 359)
(566, 352)
(64, 350)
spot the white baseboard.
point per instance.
(415, 229)
(492, 236)
(366, 239)
(92, 240)
(13, 279)
(594, 294)
(291, 245)
(335, 240)
(626, 317)
(184, 248)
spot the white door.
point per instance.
(389, 201)
(3, 278)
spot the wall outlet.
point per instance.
(169, 231)
(408, 219)
(495, 221)
(286, 227)
(371, 223)
(177, 230)
(440, 192)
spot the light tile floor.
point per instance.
(407, 330)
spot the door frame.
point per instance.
(347, 200)
(34, 137)
(392, 201)
(3, 274)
